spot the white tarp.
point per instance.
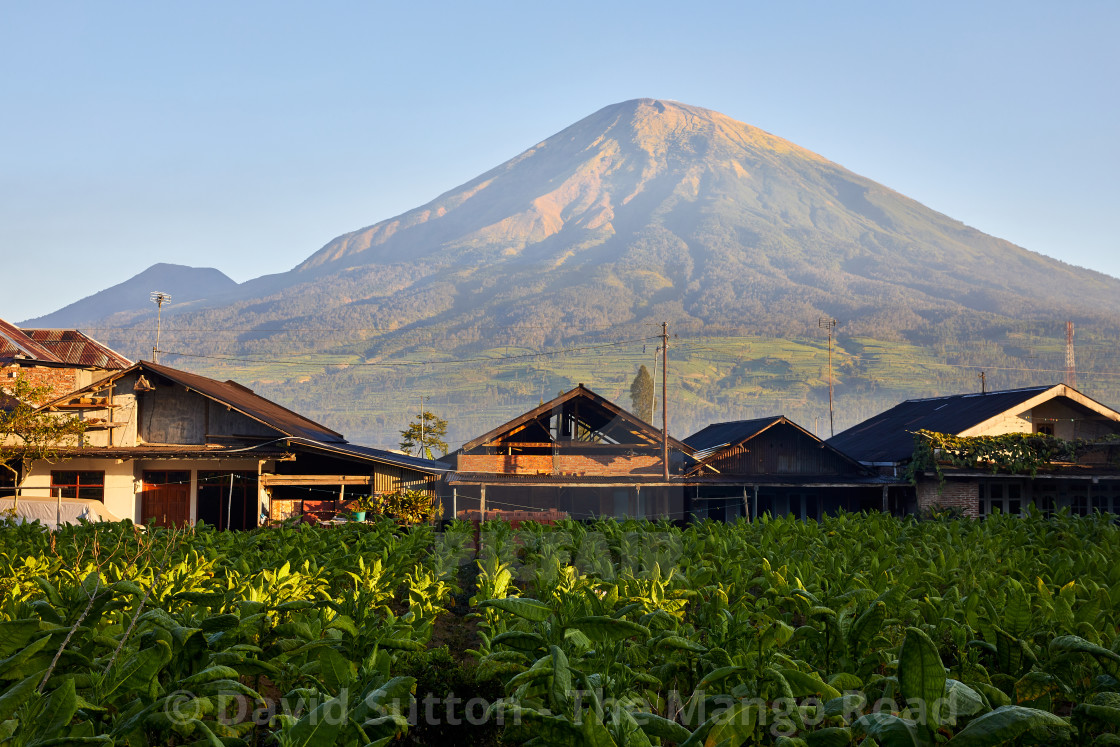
(47, 509)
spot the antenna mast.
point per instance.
(1071, 363)
(827, 323)
(158, 298)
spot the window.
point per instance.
(1045, 429)
(1007, 498)
(87, 485)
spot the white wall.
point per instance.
(123, 479)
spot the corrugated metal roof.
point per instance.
(889, 436)
(716, 436)
(78, 349)
(66, 346)
(368, 453)
(15, 342)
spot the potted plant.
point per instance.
(359, 506)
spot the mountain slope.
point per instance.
(661, 204)
(184, 284)
(643, 212)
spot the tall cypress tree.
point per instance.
(641, 395)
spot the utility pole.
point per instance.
(827, 323)
(983, 382)
(158, 298)
(665, 400)
(1071, 364)
(421, 426)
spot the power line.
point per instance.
(487, 359)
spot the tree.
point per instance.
(425, 432)
(641, 395)
(29, 434)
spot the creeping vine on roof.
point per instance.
(1013, 453)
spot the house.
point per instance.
(165, 446)
(886, 442)
(578, 453)
(64, 359)
(744, 468)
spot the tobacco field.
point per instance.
(857, 630)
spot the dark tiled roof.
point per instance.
(78, 349)
(889, 436)
(717, 435)
(368, 453)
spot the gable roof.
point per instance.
(15, 343)
(888, 438)
(229, 393)
(637, 427)
(368, 453)
(77, 348)
(716, 436)
(58, 346)
(711, 440)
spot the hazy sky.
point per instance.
(245, 135)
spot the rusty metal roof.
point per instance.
(58, 346)
(78, 349)
(15, 343)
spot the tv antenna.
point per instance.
(828, 323)
(1071, 362)
(158, 298)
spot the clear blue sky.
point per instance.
(245, 135)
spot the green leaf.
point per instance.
(17, 695)
(519, 639)
(960, 701)
(15, 634)
(336, 671)
(1110, 660)
(59, 709)
(889, 730)
(1017, 610)
(12, 667)
(865, 627)
(523, 607)
(921, 675)
(656, 726)
(802, 685)
(832, 736)
(732, 727)
(602, 629)
(320, 727)
(559, 693)
(139, 670)
(1005, 724)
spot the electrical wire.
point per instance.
(395, 364)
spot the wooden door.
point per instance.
(166, 499)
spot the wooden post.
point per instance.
(886, 505)
(481, 504)
(755, 512)
(664, 400)
(746, 504)
(454, 503)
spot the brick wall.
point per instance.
(958, 494)
(61, 380)
(561, 464)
